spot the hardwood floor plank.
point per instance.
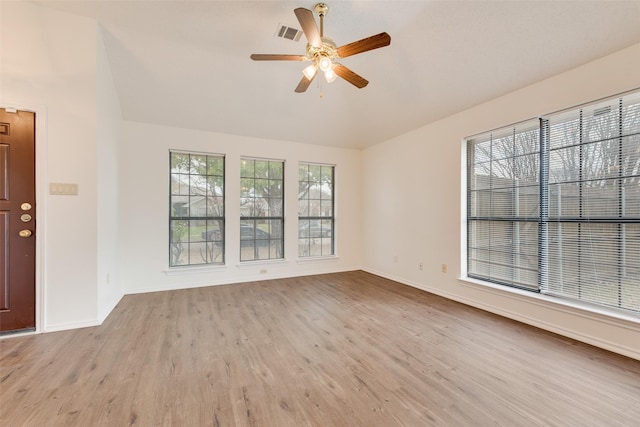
(346, 349)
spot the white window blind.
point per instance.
(503, 199)
(593, 229)
(554, 207)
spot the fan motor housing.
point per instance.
(328, 49)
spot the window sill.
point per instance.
(317, 259)
(578, 308)
(193, 269)
(261, 262)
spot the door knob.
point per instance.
(25, 233)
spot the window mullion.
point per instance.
(543, 224)
(621, 205)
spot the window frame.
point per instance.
(210, 246)
(605, 231)
(549, 216)
(505, 192)
(275, 251)
(310, 237)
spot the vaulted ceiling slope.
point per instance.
(186, 63)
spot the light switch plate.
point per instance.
(63, 189)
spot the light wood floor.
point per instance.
(347, 349)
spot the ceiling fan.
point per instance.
(323, 52)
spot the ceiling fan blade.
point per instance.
(276, 57)
(370, 43)
(353, 78)
(309, 27)
(304, 83)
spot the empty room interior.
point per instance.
(358, 213)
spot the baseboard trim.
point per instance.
(253, 278)
(56, 327)
(109, 308)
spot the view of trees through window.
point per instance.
(554, 206)
(261, 209)
(196, 214)
(315, 210)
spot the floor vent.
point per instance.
(289, 33)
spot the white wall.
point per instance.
(51, 64)
(412, 199)
(109, 119)
(144, 207)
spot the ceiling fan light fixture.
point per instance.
(322, 51)
(310, 71)
(325, 63)
(330, 75)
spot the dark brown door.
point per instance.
(17, 221)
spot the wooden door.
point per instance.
(17, 221)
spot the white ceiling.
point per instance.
(186, 63)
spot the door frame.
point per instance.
(41, 207)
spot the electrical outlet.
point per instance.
(444, 268)
(263, 271)
(395, 258)
(420, 266)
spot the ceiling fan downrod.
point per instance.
(321, 9)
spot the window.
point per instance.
(503, 200)
(261, 209)
(196, 211)
(315, 210)
(578, 236)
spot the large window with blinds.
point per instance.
(503, 205)
(554, 206)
